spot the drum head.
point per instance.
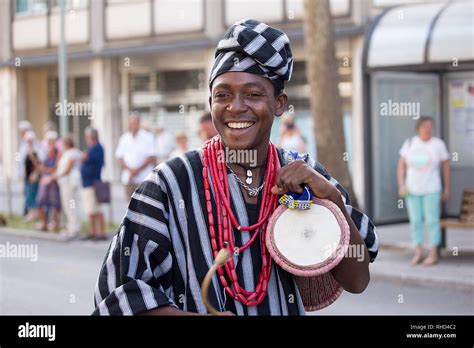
(308, 242)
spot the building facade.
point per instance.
(153, 56)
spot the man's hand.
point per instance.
(295, 175)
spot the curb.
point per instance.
(423, 281)
(51, 236)
(56, 237)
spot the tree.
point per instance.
(325, 101)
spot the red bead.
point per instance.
(234, 275)
(210, 217)
(229, 291)
(223, 281)
(261, 297)
(241, 298)
(251, 297)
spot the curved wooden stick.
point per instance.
(222, 257)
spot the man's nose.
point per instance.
(237, 105)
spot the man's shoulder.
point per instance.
(179, 163)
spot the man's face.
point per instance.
(243, 106)
(88, 138)
(133, 124)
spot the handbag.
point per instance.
(102, 191)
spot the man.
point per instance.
(164, 142)
(92, 163)
(136, 155)
(167, 226)
(206, 128)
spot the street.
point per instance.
(62, 282)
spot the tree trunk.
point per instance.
(321, 70)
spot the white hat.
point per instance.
(30, 135)
(24, 125)
(51, 135)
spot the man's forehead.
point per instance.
(240, 80)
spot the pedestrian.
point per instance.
(290, 136)
(91, 168)
(68, 177)
(50, 126)
(48, 198)
(422, 158)
(206, 128)
(135, 154)
(164, 142)
(178, 210)
(32, 175)
(23, 127)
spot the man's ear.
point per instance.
(210, 102)
(281, 102)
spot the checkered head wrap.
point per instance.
(254, 47)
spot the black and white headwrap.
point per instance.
(254, 47)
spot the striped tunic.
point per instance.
(162, 251)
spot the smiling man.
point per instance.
(185, 210)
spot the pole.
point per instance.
(62, 71)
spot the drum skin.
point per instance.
(317, 286)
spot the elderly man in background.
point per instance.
(91, 168)
(136, 154)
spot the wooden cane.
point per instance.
(222, 257)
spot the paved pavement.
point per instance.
(62, 279)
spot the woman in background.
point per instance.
(68, 177)
(419, 181)
(49, 200)
(290, 136)
(32, 175)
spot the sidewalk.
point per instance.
(454, 270)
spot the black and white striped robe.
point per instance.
(162, 249)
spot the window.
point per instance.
(298, 77)
(72, 4)
(140, 83)
(180, 80)
(26, 7)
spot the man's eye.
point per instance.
(220, 95)
(254, 94)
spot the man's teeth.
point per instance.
(239, 124)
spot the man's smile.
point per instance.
(239, 125)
